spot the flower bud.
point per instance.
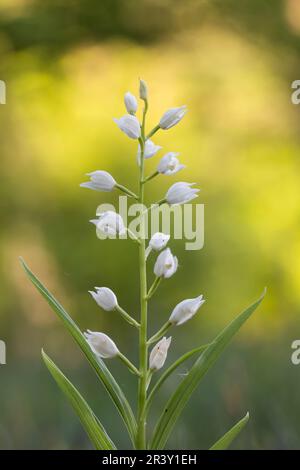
(169, 164)
(166, 264)
(149, 151)
(101, 344)
(105, 298)
(129, 125)
(109, 223)
(159, 241)
(100, 181)
(185, 310)
(172, 117)
(181, 192)
(130, 103)
(159, 353)
(143, 90)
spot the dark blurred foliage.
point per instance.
(57, 24)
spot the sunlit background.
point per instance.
(67, 66)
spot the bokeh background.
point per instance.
(67, 65)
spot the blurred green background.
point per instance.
(67, 65)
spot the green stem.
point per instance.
(129, 364)
(149, 377)
(143, 347)
(151, 133)
(153, 206)
(160, 333)
(133, 236)
(127, 317)
(126, 191)
(154, 286)
(148, 251)
(150, 177)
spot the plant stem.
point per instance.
(126, 190)
(154, 286)
(150, 177)
(153, 206)
(148, 251)
(132, 235)
(127, 317)
(151, 133)
(143, 347)
(129, 364)
(160, 333)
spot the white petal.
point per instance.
(129, 125)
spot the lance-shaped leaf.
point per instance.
(224, 442)
(180, 397)
(98, 365)
(89, 421)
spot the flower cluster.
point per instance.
(166, 264)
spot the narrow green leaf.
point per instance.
(180, 397)
(226, 440)
(98, 365)
(89, 421)
(171, 369)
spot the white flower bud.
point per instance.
(105, 298)
(166, 264)
(159, 353)
(101, 344)
(181, 192)
(159, 241)
(172, 117)
(149, 151)
(169, 164)
(109, 223)
(100, 181)
(130, 103)
(186, 310)
(130, 125)
(143, 90)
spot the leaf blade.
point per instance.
(224, 442)
(98, 365)
(178, 400)
(89, 421)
